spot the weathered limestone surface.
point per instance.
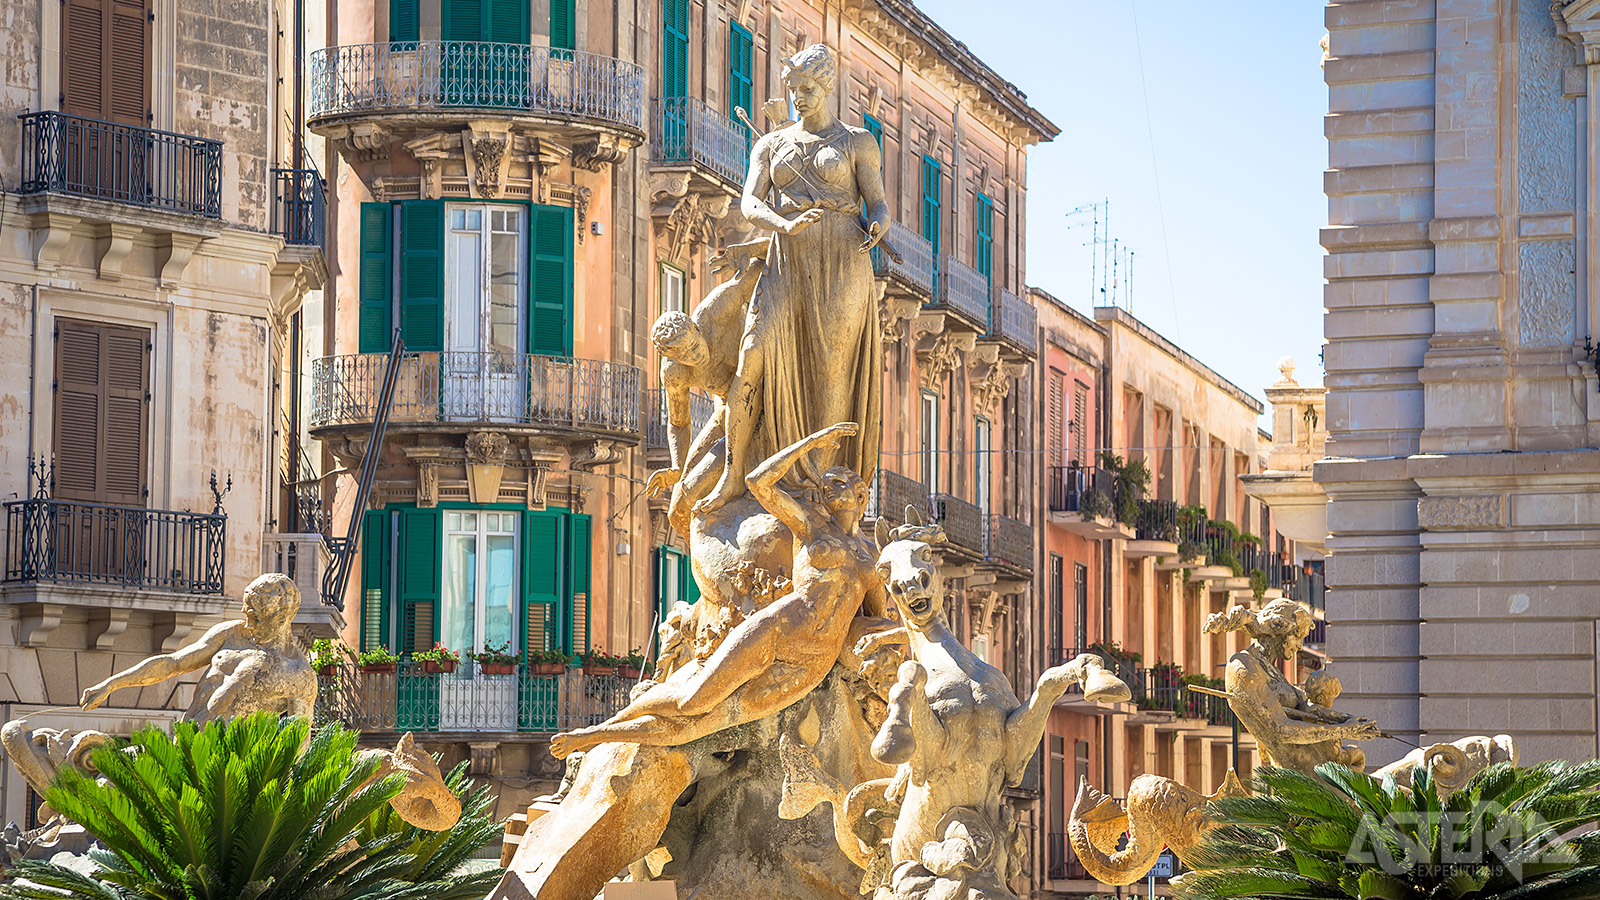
(1459, 399)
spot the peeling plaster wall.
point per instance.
(222, 94)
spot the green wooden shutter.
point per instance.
(932, 196)
(421, 549)
(690, 590)
(985, 237)
(422, 274)
(563, 25)
(578, 528)
(741, 69)
(550, 284)
(375, 557)
(874, 128)
(375, 309)
(675, 48)
(462, 20)
(508, 20)
(404, 19)
(541, 579)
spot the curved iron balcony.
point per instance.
(450, 76)
(556, 392)
(686, 130)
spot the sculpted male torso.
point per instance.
(249, 665)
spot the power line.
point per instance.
(1161, 209)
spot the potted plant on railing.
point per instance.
(377, 660)
(326, 656)
(438, 661)
(496, 660)
(597, 663)
(548, 662)
(632, 664)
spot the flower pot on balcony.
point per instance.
(378, 668)
(549, 668)
(594, 669)
(438, 666)
(627, 672)
(497, 668)
(328, 670)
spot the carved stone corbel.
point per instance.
(52, 232)
(431, 153)
(538, 485)
(991, 385)
(588, 456)
(939, 356)
(113, 242)
(38, 622)
(366, 142)
(486, 147)
(597, 152)
(486, 451)
(172, 630)
(427, 485)
(106, 625)
(173, 252)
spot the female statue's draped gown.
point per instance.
(814, 317)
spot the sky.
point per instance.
(1211, 155)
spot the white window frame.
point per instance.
(929, 426)
(674, 289)
(982, 473)
(482, 532)
(453, 266)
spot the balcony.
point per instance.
(1014, 323)
(701, 408)
(1081, 501)
(417, 84)
(963, 522)
(299, 199)
(303, 557)
(66, 542)
(547, 392)
(891, 493)
(1155, 532)
(964, 292)
(126, 164)
(1008, 543)
(687, 132)
(467, 700)
(912, 277)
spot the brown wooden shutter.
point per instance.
(102, 374)
(105, 60)
(1055, 410)
(1080, 423)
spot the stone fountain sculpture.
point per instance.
(791, 651)
(958, 737)
(1294, 727)
(250, 664)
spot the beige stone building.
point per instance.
(158, 235)
(1461, 396)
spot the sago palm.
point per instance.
(253, 809)
(1509, 834)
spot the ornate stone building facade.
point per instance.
(158, 236)
(1461, 397)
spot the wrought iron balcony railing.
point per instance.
(62, 541)
(686, 130)
(891, 493)
(139, 166)
(963, 290)
(701, 408)
(468, 700)
(1008, 542)
(1015, 321)
(915, 271)
(1081, 489)
(512, 388)
(963, 522)
(416, 76)
(298, 204)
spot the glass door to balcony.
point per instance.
(478, 609)
(483, 366)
